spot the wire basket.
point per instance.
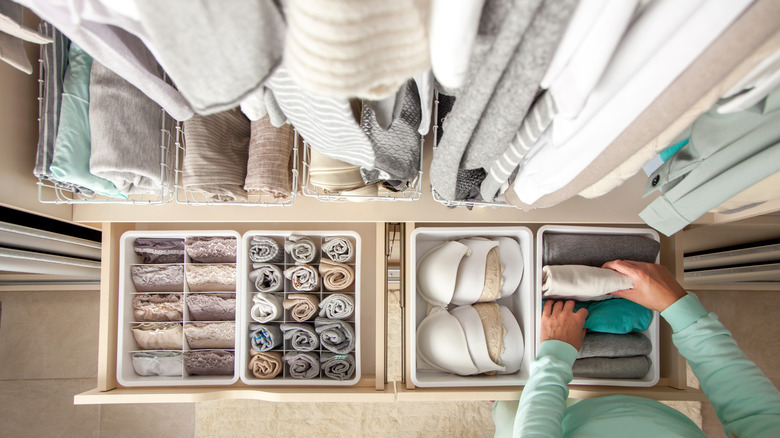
(192, 197)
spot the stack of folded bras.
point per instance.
(302, 309)
(467, 332)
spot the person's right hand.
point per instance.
(654, 286)
(561, 323)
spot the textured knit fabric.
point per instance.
(125, 129)
(597, 249)
(270, 153)
(350, 48)
(467, 184)
(582, 283)
(216, 155)
(634, 367)
(612, 345)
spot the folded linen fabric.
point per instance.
(211, 335)
(617, 316)
(264, 250)
(304, 278)
(634, 367)
(264, 337)
(335, 335)
(302, 306)
(597, 249)
(211, 278)
(582, 283)
(302, 337)
(266, 277)
(209, 362)
(338, 249)
(216, 153)
(337, 306)
(159, 250)
(269, 167)
(337, 366)
(157, 363)
(158, 336)
(303, 365)
(158, 278)
(336, 276)
(266, 307)
(612, 345)
(214, 249)
(301, 248)
(265, 364)
(212, 307)
(157, 307)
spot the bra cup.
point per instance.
(436, 272)
(442, 344)
(475, 335)
(512, 258)
(471, 272)
(513, 343)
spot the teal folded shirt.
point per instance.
(615, 315)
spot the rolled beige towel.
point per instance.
(302, 306)
(336, 276)
(266, 364)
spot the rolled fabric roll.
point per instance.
(337, 366)
(209, 362)
(336, 276)
(212, 307)
(337, 306)
(301, 336)
(211, 278)
(159, 250)
(303, 306)
(614, 345)
(301, 248)
(338, 249)
(634, 367)
(157, 363)
(266, 307)
(212, 249)
(264, 249)
(303, 365)
(582, 283)
(157, 307)
(158, 278)
(337, 336)
(211, 335)
(304, 278)
(266, 277)
(158, 336)
(264, 337)
(270, 150)
(265, 364)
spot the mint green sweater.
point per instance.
(745, 401)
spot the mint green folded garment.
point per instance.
(617, 315)
(70, 161)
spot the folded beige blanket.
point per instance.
(582, 283)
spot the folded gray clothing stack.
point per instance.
(634, 367)
(597, 249)
(613, 356)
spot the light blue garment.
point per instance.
(616, 315)
(70, 161)
(745, 401)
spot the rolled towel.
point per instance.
(209, 362)
(264, 337)
(582, 283)
(301, 336)
(301, 248)
(337, 366)
(634, 367)
(267, 278)
(212, 307)
(266, 307)
(211, 335)
(157, 363)
(264, 249)
(303, 365)
(214, 249)
(158, 336)
(211, 278)
(303, 306)
(158, 278)
(337, 306)
(336, 276)
(613, 345)
(338, 249)
(268, 169)
(157, 307)
(265, 364)
(304, 278)
(337, 336)
(159, 250)
(597, 249)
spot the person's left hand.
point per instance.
(561, 323)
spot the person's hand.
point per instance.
(654, 286)
(561, 323)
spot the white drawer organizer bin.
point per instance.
(247, 290)
(126, 344)
(652, 331)
(521, 304)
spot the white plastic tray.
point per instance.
(126, 344)
(521, 304)
(247, 289)
(652, 331)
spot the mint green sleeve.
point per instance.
(745, 401)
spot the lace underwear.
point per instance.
(158, 278)
(212, 307)
(265, 365)
(337, 366)
(211, 335)
(337, 306)
(157, 363)
(264, 337)
(209, 362)
(303, 365)
(304, 278)
(337, 336)
(336, 276)
(211, 249)
(303, 306)
(159, 250)
(267, 278)
(266, 308)
(338, 249)
(157, 307)
(211, 278)
(264, 250)
(301, 336)
(301, 248)
(158, 336)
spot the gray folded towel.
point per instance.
(338, 249)
(303, 365)
(634, 367)
(266, 277)
(337, 306)
(264, 250)
(335, 335)
(612, 345)
(264, 337)
(301, 248)
(337, 366)
(302, 337)
(597, 249)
